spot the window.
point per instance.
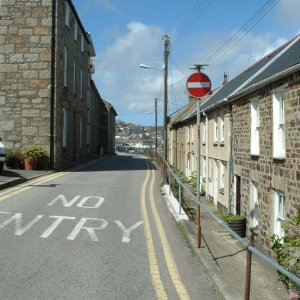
(204, 132)
(74, 77)
(67, 14)
(204, 167)
(216, 129)
(187, 132)
(81, 83)
(192, 134)
(80, 133)
(278, 124)
(221, 177)
(65, 128)
(221, 126)
(254, 208)
(65, 67)
(255, 127)
(279, 213)
(82, 43)
(75, 31)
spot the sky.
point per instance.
(228, 35)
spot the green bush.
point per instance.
(287, 249)
(12, 159)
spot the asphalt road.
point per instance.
(101, 231)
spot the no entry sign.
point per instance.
(198, 85)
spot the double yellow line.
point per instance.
(171, 265)
(25, 186)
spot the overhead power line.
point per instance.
(197, 10)
(245, 29)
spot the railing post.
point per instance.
(179, 199)
(198, 227)
(248, 268)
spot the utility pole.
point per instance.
(166, 60)
(155, 108)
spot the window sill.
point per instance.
(221, 191)
(254, 156)
(282, 158)
(215, 143)
(222, 144)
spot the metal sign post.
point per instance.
(198, 85)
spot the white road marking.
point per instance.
(64, 201)
(85, 199)
(19, 230)
(54, 225)
(90, 230)
(127, 231)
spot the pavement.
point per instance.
(225, 258)
(11, 177)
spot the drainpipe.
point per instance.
(231, 171)
(206, 154)
(52, 96)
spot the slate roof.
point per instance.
(280, 59)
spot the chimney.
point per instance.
(225, 78)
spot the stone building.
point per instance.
(266, 143)
(250, 126)
(46, 95)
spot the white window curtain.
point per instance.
(279, 212)
(278, 124)
(254, 207)
(255, 127)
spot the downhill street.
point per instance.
(98, 231)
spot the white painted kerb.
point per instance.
(173, 204)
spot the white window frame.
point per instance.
(65, 128)
(74, 77)
(221, 176)
(67, 14)
(278, 123)
(82, 43)
(216, 129)
(75, 31)
(279, 212)
(192, 134)
(204, 132)
(65, 67)
(81, 83)
(221, 126)
(254, 204)
(204, 167)
(255, 123)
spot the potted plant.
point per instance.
(32, 155)
(237, 223)
(12, 160)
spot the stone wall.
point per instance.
(25, 58)
(267, 172)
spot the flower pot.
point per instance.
(30, 164)
(238, 226)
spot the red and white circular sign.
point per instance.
(198, 85)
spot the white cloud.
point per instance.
(132, 89)
(118, 75)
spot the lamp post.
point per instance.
(166, 59)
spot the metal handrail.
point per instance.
(294, 278)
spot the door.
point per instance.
(237, 194)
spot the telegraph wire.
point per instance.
(243, 30)
(197, 11)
